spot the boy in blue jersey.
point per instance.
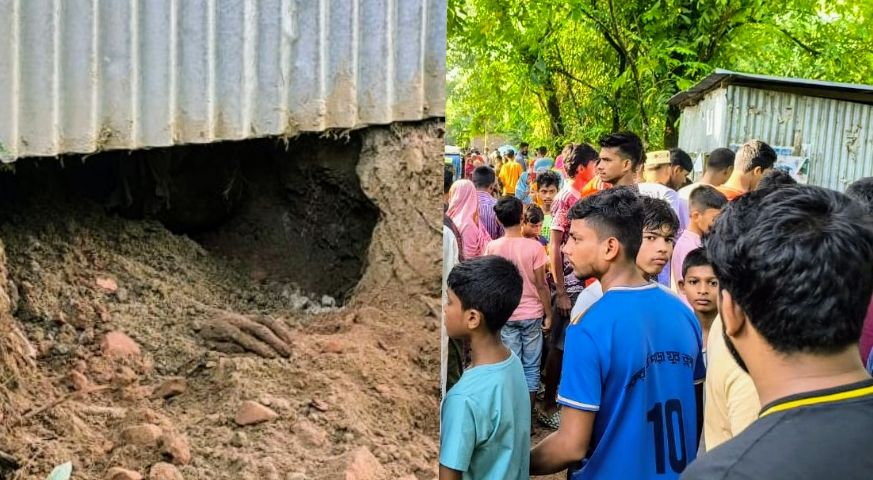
(486, 415)
(630, 368)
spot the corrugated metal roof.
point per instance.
(835, 135)
(78, 76)
(815, 88)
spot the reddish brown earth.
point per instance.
(103, 361)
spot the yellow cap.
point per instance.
(660, 157)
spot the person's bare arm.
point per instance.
(566, 446)
(556, 263)
(545, 296)
(447, 473)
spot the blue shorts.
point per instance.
(525, 339)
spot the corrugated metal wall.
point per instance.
(77, 76)
(834, 134)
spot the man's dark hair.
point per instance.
(533, 214)
(754, 153)
(580, 157)
(490, 284)
(776, 178)
(542, 150)
(617, 212)
(705, 197)
(508, 210)
(862, 191)
(483, 177)
(658, 214)
(785, 256)
(681, 158)
(629, 145)
(695, 258)
(548, 178)
(720, 159)
(522, 145)
(448, 178)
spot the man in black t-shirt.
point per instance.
(795, 269)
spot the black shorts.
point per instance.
(560, 322)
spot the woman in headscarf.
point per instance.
(464, 212)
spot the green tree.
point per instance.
(571, 70)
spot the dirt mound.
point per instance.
(104, 363)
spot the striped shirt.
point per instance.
(487, 215)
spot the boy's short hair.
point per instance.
(548, 178)
(580, 157)
(695, 258)
(491, 285)
(720, 159)
(862, 191)
(754, 153)
(658, 214)
(629, 144)
(533, 214)
(785, 256)
(616, 212)
(776, 178)
(509, 153)
(542, 150)
(448, 178)
(508, 210)
(679, 157)
(484, 177)
(705, 197)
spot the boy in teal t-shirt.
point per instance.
(485, 418)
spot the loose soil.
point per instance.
(357, 398)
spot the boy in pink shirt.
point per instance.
(705, 203)
(523, 333)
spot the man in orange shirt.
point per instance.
(509, 173)
(754, 159)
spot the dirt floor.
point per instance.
(123, 348)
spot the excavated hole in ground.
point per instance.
(289, 212)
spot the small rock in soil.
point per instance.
(328, 301)
(309, 434)
(361, 464)
(171, 388)
(107, 284)
(121, 294)
(176, 449)
(118, 473)
(79, 381)
(332, 346)
(251, 413)
(320, 405)
(146, 435)
(164, 471)
(117, 344)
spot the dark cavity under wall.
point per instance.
(292, 212)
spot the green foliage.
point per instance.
(550, 71)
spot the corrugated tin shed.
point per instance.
(77, 76)
(827, 123)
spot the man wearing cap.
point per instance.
(668, 167)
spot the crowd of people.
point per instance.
(657, 327)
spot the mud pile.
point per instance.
(106, 363)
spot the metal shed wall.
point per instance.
(834, 134)
(77, 76)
